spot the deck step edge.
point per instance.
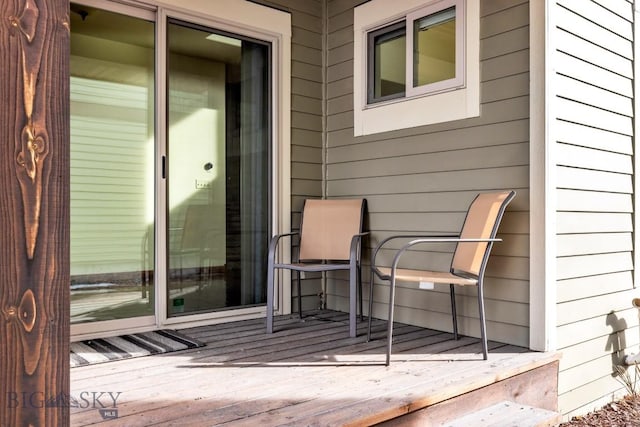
(507, 414)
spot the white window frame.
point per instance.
(434, 106)
(268, 25)
(251, 20)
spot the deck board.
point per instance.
(306, 373)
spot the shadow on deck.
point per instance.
(311, 373)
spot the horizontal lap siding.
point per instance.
(306, 97)
(423, 179)
(307, 84)
(108, 201)
(593, 127)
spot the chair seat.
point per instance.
(407, 275)
(315, 266)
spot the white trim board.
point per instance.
(542, 183)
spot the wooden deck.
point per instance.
(308, 373)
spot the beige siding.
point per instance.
(593, 127)
(307, 125)
(307, 83)
(423, 179)
(108, 199)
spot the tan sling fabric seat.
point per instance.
(405, 275)
(330, 239)
(468, 264)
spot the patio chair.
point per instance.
(329, 240)
(468, 264)
(194, 247)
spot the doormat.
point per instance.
(102, 350)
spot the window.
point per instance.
(427, 60)
(416, 62)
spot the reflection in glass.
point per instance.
(218, 162)
(388, 62)
(112, 147)
(434, 48)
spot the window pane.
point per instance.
(388, 74)
(434, 48)
(218, 182)
(112, 165)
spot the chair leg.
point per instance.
(270, 290)
(353, 277)
(360, 291)
(454, 315)
(370, 304)
(392, 289)
(299, 294)
(483, 326)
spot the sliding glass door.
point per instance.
(170, 194)
(218, 163)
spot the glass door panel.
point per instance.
(112, 165)
(218, 157)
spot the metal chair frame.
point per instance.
(350, 262)
(454, 277)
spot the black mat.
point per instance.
(102, 350)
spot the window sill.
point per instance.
(419, 111)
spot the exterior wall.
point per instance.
(307, 124)
(422, 179)
(591, 119)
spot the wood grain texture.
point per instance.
(517, 389)
(310, 373)
(34, 193)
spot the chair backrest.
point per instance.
(328, 226)
(482, 221)
(197, 225)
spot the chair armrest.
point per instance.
(278, 236)
(433, 239)
(406, 236)
(273, 244)
(447, 239)
(355, 244)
